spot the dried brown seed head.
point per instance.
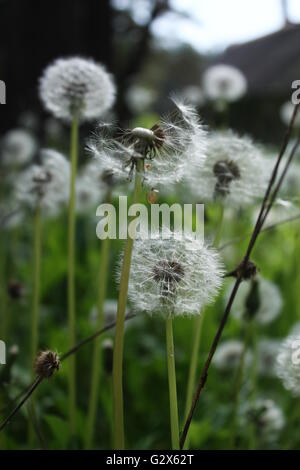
(46, 363)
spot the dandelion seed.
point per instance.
(266, 417)
(173, 276)
(258, 300)
(228, 355)
(224, 82)
(77, 87)
(288, 363)
(17, 147)
(234, 171)
(165, 150)
(46, 185)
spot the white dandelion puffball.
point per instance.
(259, 300)
(77, 87)
(194, 95)
(45, 185)
(175, 142)
(266, 416)
(234, 171)
(173, 276)
(267, 356)
(17, 147)
(286, 112)
(89, 189)
(228, 355)
(139, 98)
(288, 363)
(224, 82)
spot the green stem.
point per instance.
(36, 283)
(118, 408)
(193, 364)
(238, 386)
(172, 385)
(35, 303)
(198, 322)
(71, 273)
(96, 366)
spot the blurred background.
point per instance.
(153, 48)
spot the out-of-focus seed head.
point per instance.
(228, 355)
(224, 82)
(45, 185)
(259, 300)
(235, 171)
(77, 87)
(266, 417)
(288, 363)
(17, 147)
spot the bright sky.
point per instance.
(215, 24)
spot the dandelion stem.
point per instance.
(96, 367)
(71, 273)
(118, 407)
(36, 283)
(238, 386)
(198, 322)
(172, 384)
(36, 297)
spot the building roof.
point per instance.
(270, 63)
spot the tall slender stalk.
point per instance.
(198, 322)
(172, 384)
(35, 302)
(238, 385)
(36, 283)
(96, 366)
(118, 406)
(71, 273)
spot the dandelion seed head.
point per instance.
(259, 300)
(286, 112)
(288, 363)
(266, 416)
(224, 82)
(17, 147)
(77, 87)
(45, 185)
(166, 149)
(173, 276)
(267, 354)
(234, 171)
(228, 355)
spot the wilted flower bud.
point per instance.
(46, 363)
